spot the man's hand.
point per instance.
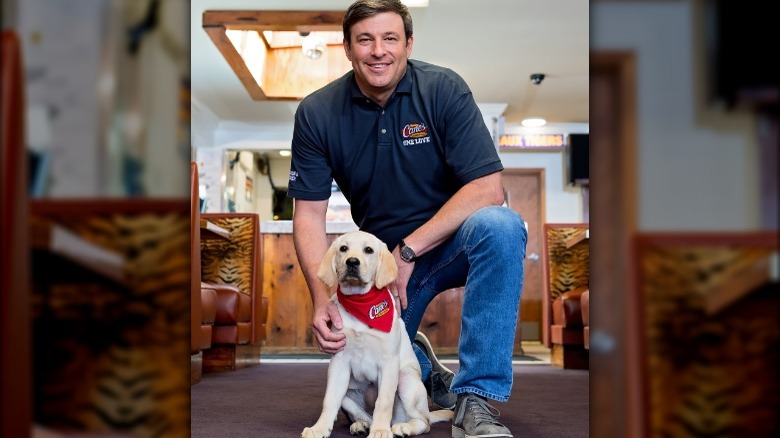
(326, 319)
(404, 274)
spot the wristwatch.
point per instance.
(407, 253)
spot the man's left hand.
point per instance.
(404, 274)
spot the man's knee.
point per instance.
(500, 222)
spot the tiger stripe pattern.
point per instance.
(230, 261)
(569, 268)
(708, 374)
(113, 357)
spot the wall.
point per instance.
(101, 104)
(563, 203)
(697, 167)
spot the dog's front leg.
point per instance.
(338, 381)
(383, 410)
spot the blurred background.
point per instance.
(682, 205)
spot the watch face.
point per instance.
(407, 254)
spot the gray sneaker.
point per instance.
(438, 385)
(475, 418)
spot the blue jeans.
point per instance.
(486, 254)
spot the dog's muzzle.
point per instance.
(352, 271)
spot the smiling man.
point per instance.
(407, 145)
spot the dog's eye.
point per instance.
(343, 248)
(369, 250)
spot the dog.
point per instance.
(377, 369)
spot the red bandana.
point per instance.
(374, 308)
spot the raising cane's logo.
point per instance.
(415, 133)
(378, 309)
(415, 130)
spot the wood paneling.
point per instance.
(290, 308)
(441, 322)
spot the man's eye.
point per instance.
(343, 248)
(369, 250)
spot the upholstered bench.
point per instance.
(567, 330)
(208, 306)
(232, 324)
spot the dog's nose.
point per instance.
(353, 262)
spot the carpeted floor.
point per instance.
(277, 400)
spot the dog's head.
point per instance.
(356, 261)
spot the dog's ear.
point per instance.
(387, 269)
(327, 271)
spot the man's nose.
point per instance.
(378, 48)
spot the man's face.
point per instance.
(378, 52)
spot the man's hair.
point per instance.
(363, 9)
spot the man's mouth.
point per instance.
(379, 67)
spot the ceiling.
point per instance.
(494, 44)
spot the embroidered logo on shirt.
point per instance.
(415, 133)
(293, 175)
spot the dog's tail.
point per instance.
(441, 415)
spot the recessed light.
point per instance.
(534, 121)
(285, 153)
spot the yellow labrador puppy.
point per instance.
(378, 358)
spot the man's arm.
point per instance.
(311, 243)
(481, 192)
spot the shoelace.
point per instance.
(483, 411)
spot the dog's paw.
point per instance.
(381, 434)
(313, 432)
(412, 428)
(359, 428)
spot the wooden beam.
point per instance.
(234, 60)
(301, 21)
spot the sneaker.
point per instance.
(438, 384)
(475, 418)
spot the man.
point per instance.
(406, 143)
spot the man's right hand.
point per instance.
(327, 320)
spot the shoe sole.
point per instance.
(460, 433)
(437, 365)
(421, 338)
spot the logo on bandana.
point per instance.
(415, 133)
(378, 310)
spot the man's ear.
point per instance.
(345, 43)
(327, 271)
(387, 270)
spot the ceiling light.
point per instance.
(534, 121)
(285, 153)
(313, 46)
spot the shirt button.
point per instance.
(383, 111)
(384, 130)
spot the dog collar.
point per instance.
(374, 308)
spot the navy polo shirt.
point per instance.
(396, 165)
